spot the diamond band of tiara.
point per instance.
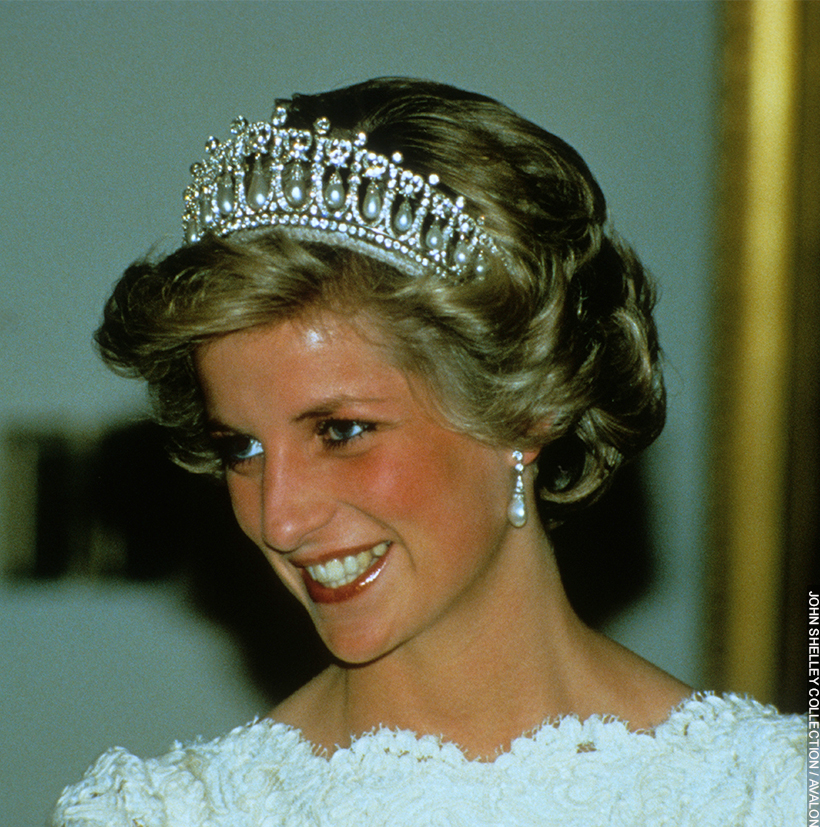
(316, 187)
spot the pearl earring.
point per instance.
(517, 509)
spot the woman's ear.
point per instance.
(541, 433)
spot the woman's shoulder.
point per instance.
(705, 714)
(716, 760)
(740, 734)
(187, 785)
(739, 757)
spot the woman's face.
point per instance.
(384, 522)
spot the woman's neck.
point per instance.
(483, 680)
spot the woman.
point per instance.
(400, 319)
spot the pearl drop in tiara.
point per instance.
(333, 191)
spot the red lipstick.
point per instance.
(323, 594)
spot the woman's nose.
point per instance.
(295, 503)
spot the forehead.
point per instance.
(304, 359)
(321, 336)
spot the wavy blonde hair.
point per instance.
(555, 348)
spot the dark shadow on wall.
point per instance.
(120, 508)
(604, 552)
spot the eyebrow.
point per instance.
(323, 408)
(327, 407)
(216, 426)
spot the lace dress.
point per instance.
(715, 761)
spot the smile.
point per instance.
(344, 570)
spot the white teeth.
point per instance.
(340, 572)
(334, 569)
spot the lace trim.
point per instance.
(591, 734)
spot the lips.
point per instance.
(341, 578)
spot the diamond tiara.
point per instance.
(316, 187)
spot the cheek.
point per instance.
(450, 482)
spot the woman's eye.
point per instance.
(236, 449)
(338, 432)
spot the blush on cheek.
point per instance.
(396, 482)
(432, 478)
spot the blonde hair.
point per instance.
(553, 348)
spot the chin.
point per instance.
(355, 646)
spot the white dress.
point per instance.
(716, 761)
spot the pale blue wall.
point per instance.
(105, 105)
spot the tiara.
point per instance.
(315, 187)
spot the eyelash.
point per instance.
(231, 447)
(235, 449)
(330, 430)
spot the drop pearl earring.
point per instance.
(517, 509)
